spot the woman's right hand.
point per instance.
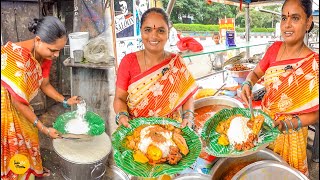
(246, 93)
(124, 120)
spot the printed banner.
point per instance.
(124, 19)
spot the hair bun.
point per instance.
(33, 25)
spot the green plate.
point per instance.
(96, 123)
(268, 134)
(124, 156)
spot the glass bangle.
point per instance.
(35, 122)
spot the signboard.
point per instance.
(127, 25)
(225, 25)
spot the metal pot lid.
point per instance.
(193, 176)
(268, 169)
(115, 173)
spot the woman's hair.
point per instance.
(307, 8)
(155, 10)
(48, 28)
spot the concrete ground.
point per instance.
(51, 159)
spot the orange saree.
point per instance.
(292, 92)
(161, 90)
(21, 76)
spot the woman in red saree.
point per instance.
(291, 76)
(25, 67)
(153, 82)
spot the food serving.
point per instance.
(239, 67)
(231, 132)
(239, 131)
(157, 144)
(123, 155)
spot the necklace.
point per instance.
(285, 46)
(145, 61)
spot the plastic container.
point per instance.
(77, 41)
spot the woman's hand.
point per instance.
(278, 124)
(185, 122)
(51, 132)
(73, 100)
(124, 120)
(246, 93)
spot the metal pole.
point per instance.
(170, 7)
(247, 28)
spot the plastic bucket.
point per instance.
(77, 41)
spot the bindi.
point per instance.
(154, 26)
(288, 14)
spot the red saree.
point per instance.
(292, 92)
(161, 90)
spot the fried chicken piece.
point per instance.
(181, 143)
(174, 155)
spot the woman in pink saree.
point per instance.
(291, 77)
(153, 82)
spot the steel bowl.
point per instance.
(239, 76)
(224, 165)
(268, 169)
(221, 100)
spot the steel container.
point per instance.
(221, 100)
(268, 169)
(223, 165)
(240, 76)
(193, 176)
(78, 169)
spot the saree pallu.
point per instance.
(292, 92)
(161, 90)
(21, 76)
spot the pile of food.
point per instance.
(201, 93)
(239, 131)
(239, 67)
(157, 144)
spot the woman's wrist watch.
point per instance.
(65, 103)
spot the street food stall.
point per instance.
(207, 155)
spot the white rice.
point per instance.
(238, 131)
(78, 125)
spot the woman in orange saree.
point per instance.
(292, 84)
(153, 82)
(25, 68)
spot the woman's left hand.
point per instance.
(186, 122)
(73, 100)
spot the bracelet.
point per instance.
(285, 124)
(299, 122)
(65, 103)
(291, 124)
(186, 111)
(248, 82)
(35, 122)
(42, 128)
(119, 114)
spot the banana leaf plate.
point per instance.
(124, 156)
(96, 123)
(210, 137)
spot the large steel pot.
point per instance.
(83, 159)
(221, 100)
(223, 165)
(268, 169)
(193, 176)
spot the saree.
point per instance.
(292, 92)
(161, 90)
(21, 77)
